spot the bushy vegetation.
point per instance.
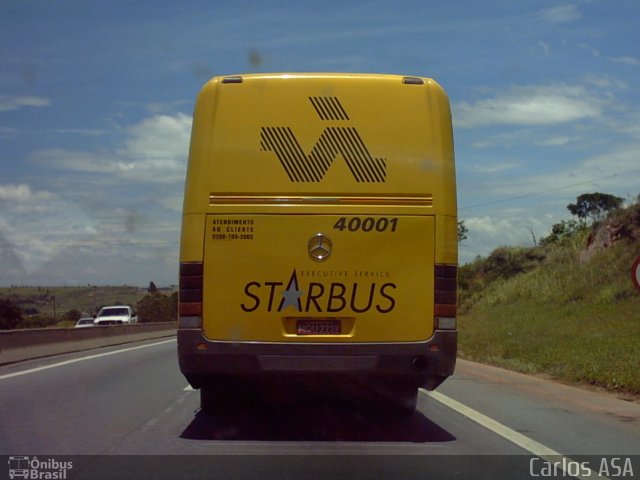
(38, 307)
(552, 309)
(565, 233)
(38, 321)
(156, 307)
(10, 315)
(502, 264)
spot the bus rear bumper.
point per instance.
(420, 364)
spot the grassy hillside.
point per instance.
(560, 309)
(85, 299)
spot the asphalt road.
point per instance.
(127, 412)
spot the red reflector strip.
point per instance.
(446, 271)
(444, 311)
(446, 284)
(448, 298)
(191, 283)
(191, 280)
(190, 269)
(191, 296)
(446, 290)
(190, 309)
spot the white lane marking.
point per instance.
(81, 359)
(149, 425)
(528, 444)
(188, 388)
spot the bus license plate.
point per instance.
(319, 327)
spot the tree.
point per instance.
(562, 232)
(594, 206)
(73, 315)
(157, 307)
(462, 231)
(533, 236)
(10, 315)
(152, 288)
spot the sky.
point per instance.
(96, 100)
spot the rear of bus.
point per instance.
(319, 234)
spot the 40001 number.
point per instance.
(367, 224)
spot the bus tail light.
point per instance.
(190, 299)
(446, 292)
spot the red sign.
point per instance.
(635, 273)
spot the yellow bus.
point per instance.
(319, 235)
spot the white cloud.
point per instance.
(504, 139)
(627, 60)
(160, 108)
(39, 225)
(561, 13)
(530, 105)
(8, 132)
(545, 47)
(173, 202)
(21, 193)
(87, 162)
(517, 138)
(594, 51)
(159, 137)
(604, 81)
(124, 222)
(12, 102)
(14, 192)
(541, 199)
(45, 237)
(92, 132)
(495, 167)
(487, 232)
(631, 125)
(499, 231)
(554, 141)
(156, 151)
(616, 171)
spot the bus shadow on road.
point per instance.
(313, 420)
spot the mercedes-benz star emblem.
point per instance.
(320, 247)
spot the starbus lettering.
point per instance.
(316, 297)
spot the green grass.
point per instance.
(586, 343)
(575, 320)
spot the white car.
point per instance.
(84, 322)
(116, 315)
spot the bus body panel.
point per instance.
(375, 137)
(376, 283)
(319, 230)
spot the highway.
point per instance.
(125, 409)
